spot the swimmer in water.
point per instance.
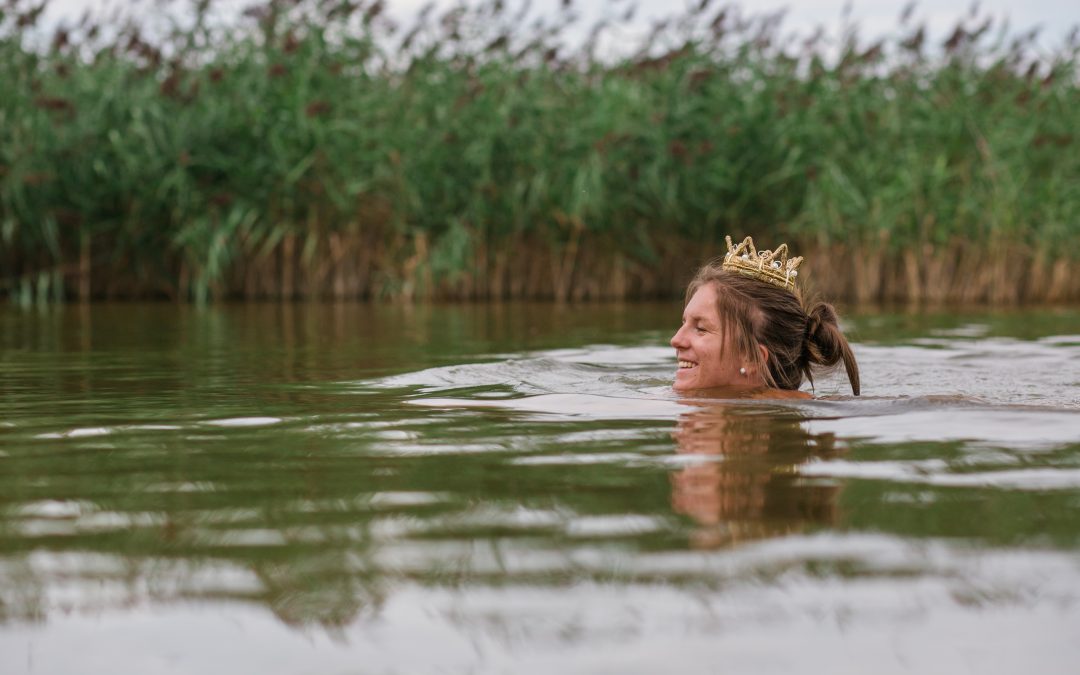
(747, 331)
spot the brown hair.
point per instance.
(796, 334)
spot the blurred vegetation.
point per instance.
(310, 148)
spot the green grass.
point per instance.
(311, 153)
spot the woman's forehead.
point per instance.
(702, 305)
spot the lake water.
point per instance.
(515, 489)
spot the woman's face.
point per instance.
(705, 361)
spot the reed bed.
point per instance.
(311, 149)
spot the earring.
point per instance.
(742, 371)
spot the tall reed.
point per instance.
(309, 149)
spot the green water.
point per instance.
(514, 488)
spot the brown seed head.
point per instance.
(316, 109)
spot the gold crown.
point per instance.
(773, 267)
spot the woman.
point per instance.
(746, 328)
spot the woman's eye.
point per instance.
(700, 329)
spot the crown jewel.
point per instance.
(773, 267)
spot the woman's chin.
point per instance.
(685, 380)
(688, 383)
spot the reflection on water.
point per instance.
(516, 488)
(746, 484)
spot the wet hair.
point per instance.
(797, 335)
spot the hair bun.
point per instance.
(819, 316)
(825, 344)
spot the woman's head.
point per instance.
(740, 331)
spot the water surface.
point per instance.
(514, 488)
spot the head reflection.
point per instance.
(742, 481)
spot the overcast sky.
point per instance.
(874, 17)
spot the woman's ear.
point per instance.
(752, 367)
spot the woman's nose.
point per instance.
(678, 340)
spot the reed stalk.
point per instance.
(310, 151)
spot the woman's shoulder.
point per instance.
(782, 394)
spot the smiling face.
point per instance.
(705, 358)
